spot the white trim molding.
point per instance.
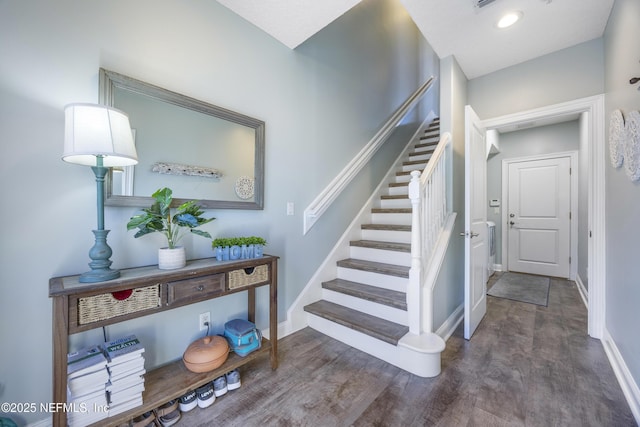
(625, 379)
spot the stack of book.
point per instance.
(87, 376)
(126, 374)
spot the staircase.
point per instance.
(365, 306)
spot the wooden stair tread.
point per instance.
(392, 210)
(386, 227)
(394, 196)
(375, 267)
(395, 299)
(381, 329)
(388, 246)
(426, 144)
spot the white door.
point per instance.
(539, 217)
(475, 223)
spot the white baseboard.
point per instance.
(449, 326)
(584, 293)
(625, 379)
(497, 267)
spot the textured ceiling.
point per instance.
(452, 27)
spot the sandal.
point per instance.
(145, 420)
(168, 414)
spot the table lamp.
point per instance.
(100, 137)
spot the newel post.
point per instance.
(414, 290)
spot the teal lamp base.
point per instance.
(100, 263)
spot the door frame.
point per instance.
(592, 115)
(573, 230)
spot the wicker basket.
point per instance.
(246, 277)
(106, 306)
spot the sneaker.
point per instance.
(188, 401)
(205, 395)
(168, 414)
(233, 379)
(220, 386)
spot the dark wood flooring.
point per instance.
(526, 365)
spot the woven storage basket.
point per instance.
(106, 306)
(246, 277)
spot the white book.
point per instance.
(125, 406)
(133, 363)
(132, 373)
(123, 349)
(85, 360)
(93, 394)
(126, 394)
(115, 386)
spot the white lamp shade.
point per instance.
(96, 130)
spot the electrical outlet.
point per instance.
(204, 319)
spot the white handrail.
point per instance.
(322, 202)
(430, 209)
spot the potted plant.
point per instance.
(231, 248)
(158, 218)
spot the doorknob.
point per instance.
(471, 235)
(511, 223)
(512, 215)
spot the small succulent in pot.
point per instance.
(158, 218)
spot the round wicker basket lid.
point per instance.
(206, 354)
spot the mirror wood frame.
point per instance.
(109, 81)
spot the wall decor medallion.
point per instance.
(632, 146)
(244, 187)
(617, 135)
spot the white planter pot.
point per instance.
(170, 259)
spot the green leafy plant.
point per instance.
(238, 241)
(158, 218)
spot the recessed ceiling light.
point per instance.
(509, 19)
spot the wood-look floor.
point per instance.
(526, 365)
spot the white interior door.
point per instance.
(539, 217)
(475, 223)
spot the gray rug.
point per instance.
(522, 287)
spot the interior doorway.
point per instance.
(591, 112)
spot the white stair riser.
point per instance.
(379, 310)
(387, 236)
(425, 365)
(398, 191)
(374, 279)
(391, 218)
(402, 179)
(429, 149)
(395, 203)
(422, 157)
(417, 167)
(380, 255)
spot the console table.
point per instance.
(143, 291)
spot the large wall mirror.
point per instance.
(201, 151)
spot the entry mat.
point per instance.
(522, 287)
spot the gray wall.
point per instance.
(321, 103)
(622, 195)
(572, 73)
(527, 142)
(449, 288)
